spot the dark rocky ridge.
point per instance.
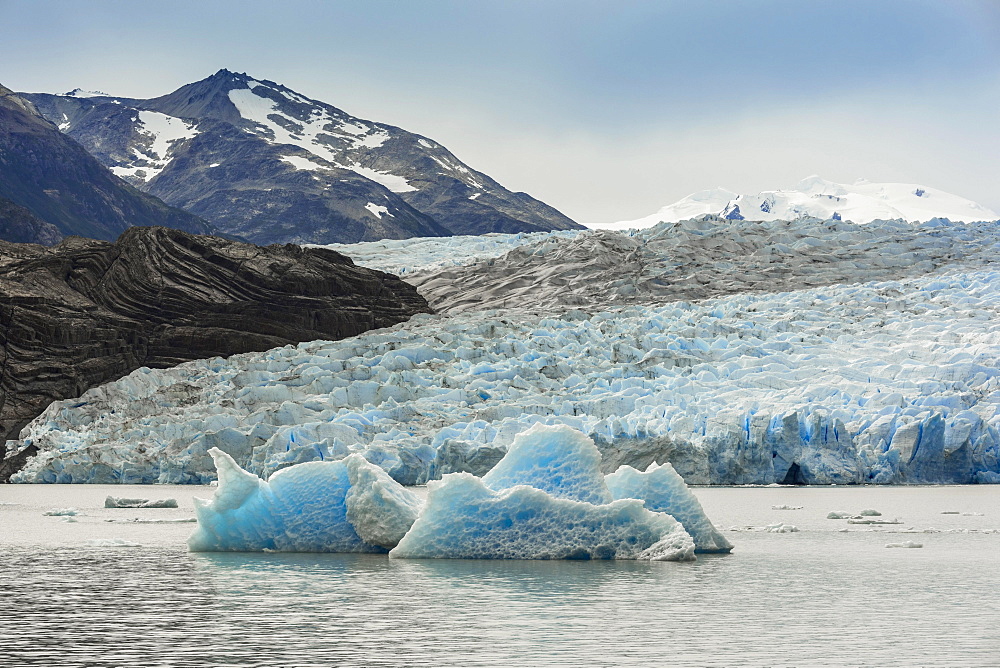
(20, 226)
(234, 171)
(63, 188)
(87, 312)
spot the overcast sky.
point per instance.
(606, 110)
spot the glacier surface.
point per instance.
(888, 382)
(353, 506)
(801, 352)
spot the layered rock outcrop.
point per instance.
(86, 312)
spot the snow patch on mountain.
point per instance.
(861, 202)
(160, 133)
(378, 210)
(396, 184)
(298, 162)
(79, 92)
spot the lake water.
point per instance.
(816, 597)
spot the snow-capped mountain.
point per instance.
(861, 202)
(50, 187)
(262, 161)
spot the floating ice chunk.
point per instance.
(120, 502)
(664, 491)
(301, 509)
(781, 528)
(838, 515)
(111, 542)
(465, 519)
(905, 543)
(69, 519)
(858, 520)
(785, 506)
(869, 512)
(556, 459)
(152, 520)
(62, 512)
(379, 508)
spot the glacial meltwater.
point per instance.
(98, 588)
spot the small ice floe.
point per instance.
(844, 530)
(838, 515)
(869, 512)
(905, 543)
(972, 514)
(69, 519)
(859, 520)
(62, 512)
(950, 512)
(784, 506)
(111, 542)
(116, 502)
(151, 520)
(781, 528)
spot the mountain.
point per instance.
(51, 187)
(261, 161)
(86, 312)
(861, 202)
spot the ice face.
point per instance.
(664, 491)
(466, 519)
(379, 508)
(556, 459)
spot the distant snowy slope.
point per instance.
(861, 202)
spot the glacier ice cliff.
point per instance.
(883, 382)
(351, 505)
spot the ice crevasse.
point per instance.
(546, 499)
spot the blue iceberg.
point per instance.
(664, 491)
(311, 507)
(546, 499)
(464, 519)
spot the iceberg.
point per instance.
(663, 490)
(547, 500)
(304, 508)
(465, 519)
(121, 502)
(556, 459)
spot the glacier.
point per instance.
(884, 382)
(807, 352)
(351, 505)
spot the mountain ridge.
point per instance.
(55, 188)
(259, 160)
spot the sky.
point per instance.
(605, 110)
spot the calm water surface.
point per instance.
(816, 597)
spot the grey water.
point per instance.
(93, 592)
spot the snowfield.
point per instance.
(860, 202)
(866, 382)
